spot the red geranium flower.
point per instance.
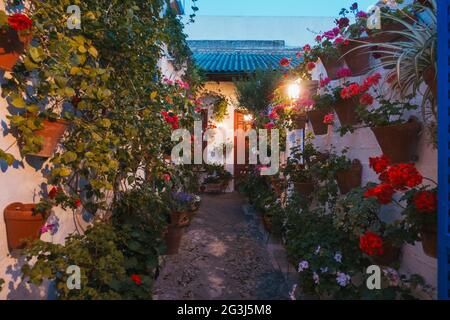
(137, 279)
(328, 119)
(366, 99)
(324, 82)
(307, 48)
(350, 91)
(77, 203)
(311, 66)
(342, 22)
(402, 176)
(319, 38)
(425, 201)
(19, 21)
(379, 164)
(344, 72)
(371, 244)
(382, 192)
(285, 62)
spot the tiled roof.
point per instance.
(239, 56)
(239, 62)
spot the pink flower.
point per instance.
(328, 119)
(338, 40)
(273, 115)
(361, 14)
(336, 31)
(324, 82)
(46, 228)
(269, 125)
(168, 81)
(344, 73)
(166, 177)
(319, 38)
(285, 62)
(307, 48)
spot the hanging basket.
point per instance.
(332, 65)
(390, 255)
(21, 224)
(52, 133)
(399, 142)
(316, 118)
(299, 121)
(357, 59)
(304, 188)
(12, 46)
(346, 112)
(429, 241)
(349, 179)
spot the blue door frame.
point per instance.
(444, 148)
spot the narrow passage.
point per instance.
(224, 255)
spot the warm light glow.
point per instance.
(294, 91)
(248, 117)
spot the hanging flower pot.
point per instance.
(173, 239)
(22, 224)
(299, 121)
(346, 112)
(52, 133)
(12, 46)
(399, 141)
(316, 118)
(349, 179)
(390, 255)
(332, 65)
(356, 57)
(304, 188)
(429, 241)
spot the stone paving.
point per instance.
(225, 255)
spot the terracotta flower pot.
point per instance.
(304, 188)
(346, 112)
(316, 119)
(173, 239)
(21, 224)
(12, 46)
(52, 133)
(398, 142)
(390, 255)
(430, 79)
(349, 179)
(429, 241)
(357, 59)
(180, 219)
(332, 66)
(299, 121)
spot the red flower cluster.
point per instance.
(285, 62)
(344, 72)
(371, 244)
(328, 119)
(324, 82)
(307, 48)
(425, 201)
(342, 22)
(19, 22)
(171, 118)
(379, 164)
(311, 66)
(350, 91)
(371, 81)
(366, 99)
(402, 176)
(382, 192)
(136, 279)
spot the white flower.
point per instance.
(324, 270)
(338, 257)
(292, 293)
(316, 278)
(302, 266)
(393, 276)
(317, 250)
(343, 279)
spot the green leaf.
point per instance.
(37, 54)
(69, 92)
(69, 157)
(64, 172)
(18, 102)
(29, 65)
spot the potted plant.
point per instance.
(396, 136)
(318, 113)
(421, 199)
(23, 223)
(326, 50)
(345, 103)
(302, 180)
(51, 133)
(217, 179)
(348, 174)
(15, 35)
